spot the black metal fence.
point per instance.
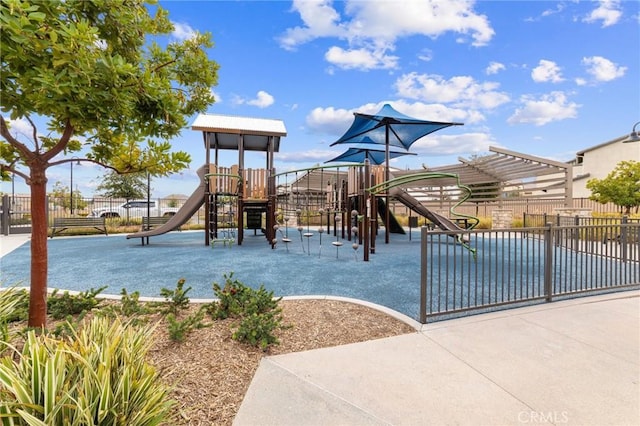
(519, 206)
(110, 207)
(501, 268)
(559, 220)
(15, 211)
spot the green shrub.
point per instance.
(54, 381)
(236, 299)
(179, 329)
(483, 223)
(257, 329)
(177, 298)
(259, 313)
(14, 305)
(517, 223)
(60, 307)
(130, 304)
(68, 326)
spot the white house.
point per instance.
(600, 160)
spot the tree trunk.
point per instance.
(39, 260)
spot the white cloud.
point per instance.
(559, 8)
(389, 21)
(21, 127)
(425, 55)
(371, 28)
(363, 59)
(443, 144)
(602, 69)
(547, 71)
(320, 20)
(336, 121)
(548, 108)
(330, 120)
(461, 91)
(216, 96)
(608, 12)
(310, 156)
(182, 31)
(262, 100)
(436, 112)
(494, 68)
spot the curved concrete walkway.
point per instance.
(573, 362)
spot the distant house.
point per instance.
(600, 160)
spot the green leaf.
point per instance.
(30, 419)
(37, 16)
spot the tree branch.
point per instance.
(22, 148)
(10, 169)
(159, 67)
(86, 160)
(62, 142)
(35, 134)
(166, 64)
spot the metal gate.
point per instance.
(15, 215)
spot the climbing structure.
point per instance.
(252, 191)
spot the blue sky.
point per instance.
(545, 78)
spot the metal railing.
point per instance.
(59, 207)
(15, 211)
(519, 206)
(530, 219)
(523, 266)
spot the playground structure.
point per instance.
(345, 199)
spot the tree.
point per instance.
(621, 186)
(96, 72)
(61, 196)
(128, 185)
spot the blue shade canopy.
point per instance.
(358, 155)
(390, 127)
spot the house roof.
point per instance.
(226, 131)
(616, 140)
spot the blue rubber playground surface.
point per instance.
(390, 278)
(506, 269)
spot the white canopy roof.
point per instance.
(224, 131)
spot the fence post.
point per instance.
(423, 274)
(576, 234)
(624, 238)
(6, 211)
(548, 261)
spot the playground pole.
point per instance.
(367, 206)
(386, 177)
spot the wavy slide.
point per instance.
(190, 207)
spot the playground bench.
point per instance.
(150, 222)
(155, 221)
(61, 224)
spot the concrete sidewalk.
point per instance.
(569, 362)
(9, 243)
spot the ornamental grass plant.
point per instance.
(97, 375)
